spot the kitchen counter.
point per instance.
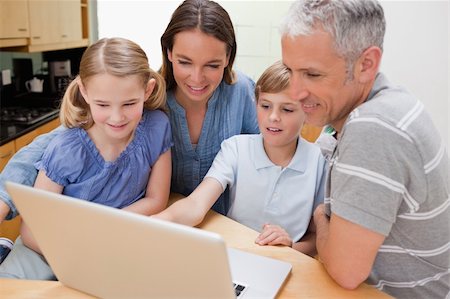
(9, 132)
(10, 129)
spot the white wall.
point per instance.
(416, 44)
(416, 54)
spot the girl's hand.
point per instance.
(273, 235)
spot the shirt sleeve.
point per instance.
(224, 166)
(369, 175)
(157, 134)
(56, 162)
(20, 169)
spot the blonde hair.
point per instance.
(273, 80)
(115, 56)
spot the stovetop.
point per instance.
(26, 116)
(22, 113)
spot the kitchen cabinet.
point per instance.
(51, 25)
(10, 228)
(43, 22)
(55, 24)
(29, 137)
(14, 27)
(48, 127)
(6, 152)
(54, 21)
(25, 139)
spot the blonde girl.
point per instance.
(116, 150)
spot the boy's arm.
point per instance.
(192, 209)
(158, 188)
(20, 169)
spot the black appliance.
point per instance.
(60, 76)
(23, 71)
(26, 116)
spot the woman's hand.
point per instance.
(273, 235)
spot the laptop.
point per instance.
(110, 253)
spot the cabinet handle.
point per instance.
(6, 155)
(64, 35)
(36, 37)
(23, 29)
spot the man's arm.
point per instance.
(347, 250)
(20, 169)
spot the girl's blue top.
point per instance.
(73, 161)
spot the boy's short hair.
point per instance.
(273, 80)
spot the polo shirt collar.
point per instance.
(261, 159)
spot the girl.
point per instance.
(116, 151)
(276, 178)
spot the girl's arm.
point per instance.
(42, 182)
(158, 188)
(192, 209)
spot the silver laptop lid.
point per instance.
(112, 253)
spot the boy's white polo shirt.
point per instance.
(261, 192)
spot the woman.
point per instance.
(207, 101)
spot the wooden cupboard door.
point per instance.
(70, 20)
(48, 126)
(6, 152)
(25, 139)
(44, 27)
(14, 19)
(11, 228)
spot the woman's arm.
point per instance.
(192, 209)
(20, 169)
(158, 188)
(42, 182)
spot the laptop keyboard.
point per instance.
(238, 289)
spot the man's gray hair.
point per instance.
(355, 25)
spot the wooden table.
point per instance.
(308, 278)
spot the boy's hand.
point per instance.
(273, 235)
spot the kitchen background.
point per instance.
(416, 44)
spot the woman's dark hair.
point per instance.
(210, 18)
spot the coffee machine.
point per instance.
(60, 76)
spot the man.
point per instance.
(386, 214)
